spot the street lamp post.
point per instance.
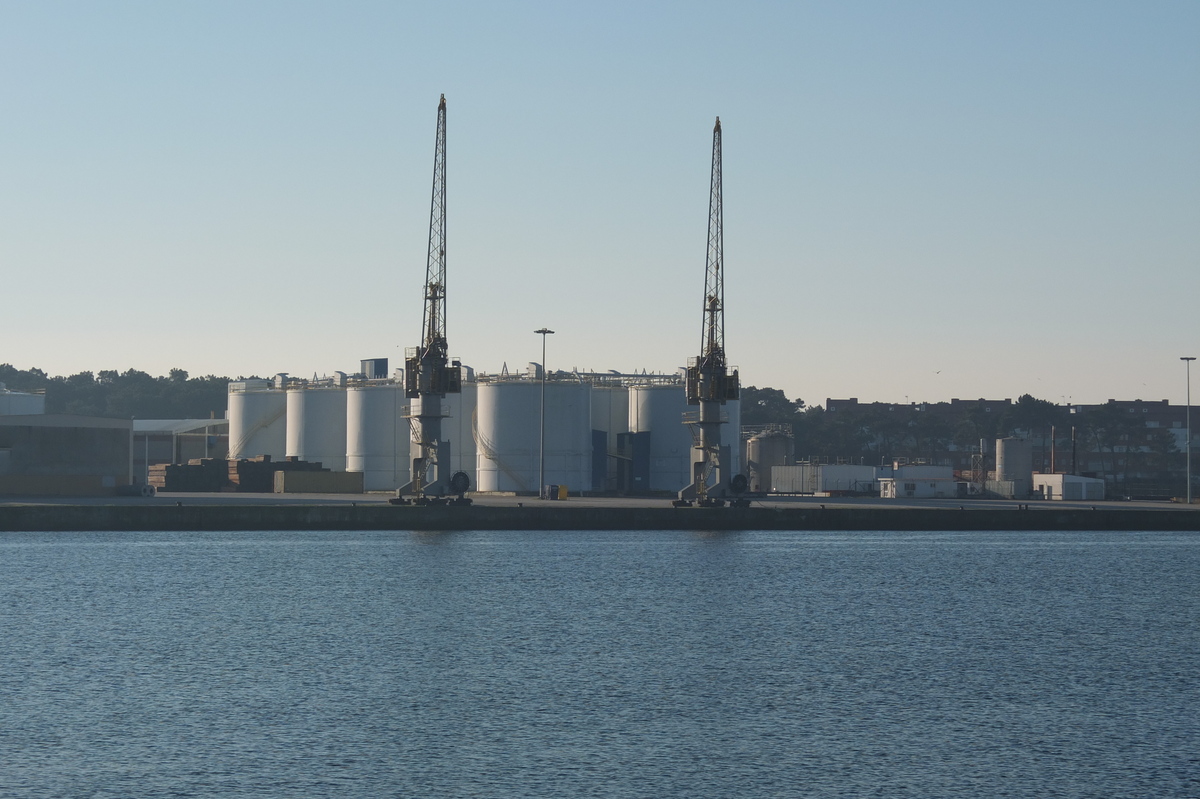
(1187, 363)
(543, 332)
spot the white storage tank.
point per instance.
(764, 451)
(377, 435)
(1014, 467)
(257, 420)
(1014, 459)
(610, 411)
(316, 425)
(459, 429)
(507, 433)
(731, 436)
(658, 410)
(610, 420)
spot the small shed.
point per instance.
(1067, 486)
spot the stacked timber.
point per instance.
(257, 475)
(198, 474)
(252, 474)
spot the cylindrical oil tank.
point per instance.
(731, 436)
(257, 420)
(1014, 467)
(1014, 459)
(316, 425)
(507, 434)
(377, 435)
(610, 420)
(658, 410)
(610, 411)
(765, 451)
(458, 429)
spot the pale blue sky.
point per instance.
(923, 200)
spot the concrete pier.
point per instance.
(185, 516)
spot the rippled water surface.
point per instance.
(624, 664)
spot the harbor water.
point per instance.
(622, 664)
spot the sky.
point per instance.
(922, 200)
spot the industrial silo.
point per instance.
(377, 435)
(610, 421)
(764, 451)
(1014, 466)
(731, 436)
(508, 428)
(316, 425)
(458, 428)
(662, 442)
(257, 420)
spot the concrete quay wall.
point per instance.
(58, 517)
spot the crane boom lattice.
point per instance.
(712, 344)
(710, 383)
(433, 323)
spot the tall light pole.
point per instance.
(543, 332)
(1187, 363)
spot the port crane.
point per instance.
(710, 382)
(428, 374)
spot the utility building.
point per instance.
(64, 454)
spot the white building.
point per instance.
(921, 488)
(1067, 486)
(920, 481)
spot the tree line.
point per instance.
(124, 395)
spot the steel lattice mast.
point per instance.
(427, 374)
(710, 384)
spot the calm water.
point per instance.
(624, 664)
